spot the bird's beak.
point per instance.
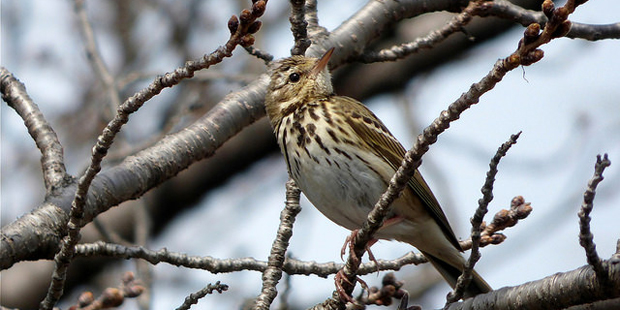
(322, 63)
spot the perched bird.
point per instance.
(342, 157)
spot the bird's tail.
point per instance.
(451, 273)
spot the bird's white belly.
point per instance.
(343, 189)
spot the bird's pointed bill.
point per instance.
(322, 63)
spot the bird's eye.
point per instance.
(294, 77)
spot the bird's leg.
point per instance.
(391, 221)
(351, 238)
(339, 278)
(350, 242)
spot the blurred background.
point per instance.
(567, 105)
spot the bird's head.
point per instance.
(295, 81)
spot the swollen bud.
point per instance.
(233, 24)
(258, 8)
(245, 17)
(532, 57)
(560, 15)
(531, 33)
(85, 299)
(254, 27)
(547, 8)
(111, 297)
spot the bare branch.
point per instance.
(586, 239)
(214, 265)
(266, 57)
(94, 57)
(507, 10)
(298, 27)
(52, 160)
(394, 53)
(353, 36)
(558, 291)
(241, 36)
(314, 29)
(273, 273)
(476, 222)
(193, 298)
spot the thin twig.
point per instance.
(476, 222)
(142, 231)
(242, 35)
(519, 210)
(507, 10)
(435, 37)
(111, 297)
(586, 239)
(314, 29)
(273, 273)
(299, 27)
(94, 57)
(194, 297)
(260, 54)
(52, 160)
(107, 235)
(214, 265)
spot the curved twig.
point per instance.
(507, 10)
(52, 160)
(214, 265)
(476, 222)
(586, 239)
(209, 289)
(94, 56)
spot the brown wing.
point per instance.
(379, 138)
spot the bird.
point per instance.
(342, 156)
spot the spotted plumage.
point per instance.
(342, 158)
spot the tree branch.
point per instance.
(476, 222)
(94, 57)
(214, 265)
(435, 37)
(586, 239)
(193, 298)
(14, 94)
(298, 27)
(507, 10)
(273, 273)
(559, 291)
